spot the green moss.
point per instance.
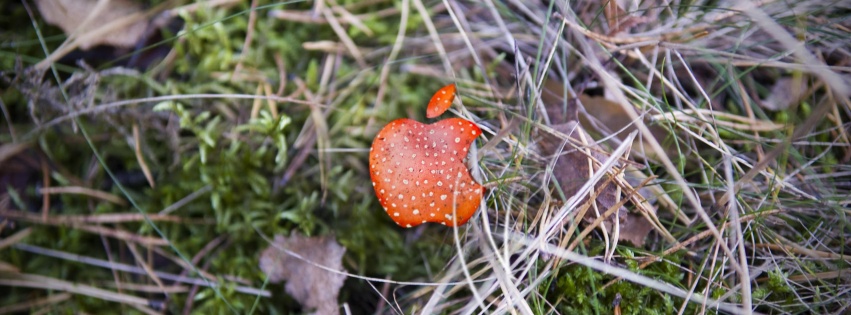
(581, 290)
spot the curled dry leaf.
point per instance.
(69, 15)
(573, 168)
(313, 287)
(618, 20)
(785, 92)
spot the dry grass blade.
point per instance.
(33, 304)
(137, 146)
(132, 269)
(8, 150)
(732, 117)
(75, 219)
(48, 283)
(77, 190)
(15, 238)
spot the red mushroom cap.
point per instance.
(441, 101)
(418, 171)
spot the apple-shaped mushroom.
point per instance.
(418, 170)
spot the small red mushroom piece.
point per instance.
(441, 101)
(418, 171)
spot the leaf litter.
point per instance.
(313, 287)
(579, 156)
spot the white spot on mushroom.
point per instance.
(405, 181)
(407, 225)
(401, 196)
(442, 197)
(416, 212)
(410, 169)
(381, 191)
(373, 183)
(473, 132)
(413, 198)
(439, 183)
(395, 214)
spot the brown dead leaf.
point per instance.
(313, 287)
(598, 115)
(634, 229)
(618, 19)
(70, 15)
(573, 168)
(785, 92)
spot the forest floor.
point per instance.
(210, 157)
